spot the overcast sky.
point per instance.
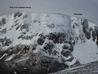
(89, 8)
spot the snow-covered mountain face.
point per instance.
(86, 39)
(41, 41)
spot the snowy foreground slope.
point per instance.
(41, 43)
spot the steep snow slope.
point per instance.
(86, 52)
(50, 41)
(86, 47)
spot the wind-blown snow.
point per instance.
(86, 52)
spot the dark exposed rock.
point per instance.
(68, 46)
(71, 48)
(2, 22)
(65, 53)
(55, 52)
(96, 32)
(26, 37)
(3, 31)
(18, 27)
(35, 21)
(48, 47)
(18, 14)
(93, 35)
(21, 36)
(86, 29)
(51, 26)
(57, 37)
(65, 47)
(24, 26)
(41, 40)
(5, 41)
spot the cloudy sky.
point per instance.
(89, 8)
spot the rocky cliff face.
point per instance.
(41, 43)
